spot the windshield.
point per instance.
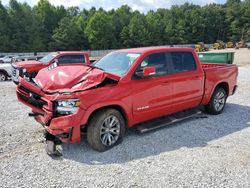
(117, 62)
(46, 59)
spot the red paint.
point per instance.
(139, 99)
(35, 66)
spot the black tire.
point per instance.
(217, 102)
(97, 125)
(3, 76)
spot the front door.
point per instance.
(151, 97)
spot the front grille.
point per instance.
(32, 98)
(14, 72)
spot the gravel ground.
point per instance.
(208, 152)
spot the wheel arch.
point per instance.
(223, 85)
(5, 72)
(210, 93)
(113, 106)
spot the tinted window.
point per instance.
(71, 59)
(158, 60)
(183, 61)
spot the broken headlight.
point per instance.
(65, 107)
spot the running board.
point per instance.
(167, 120)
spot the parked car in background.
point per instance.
(124, 88)
(29, 69)
(6, 59)
(5, 71)
(25, 58)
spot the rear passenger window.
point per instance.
(77, 59)
(183, 61)
(71, 59)
(158, 60)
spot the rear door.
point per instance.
(188, 80)
(151, 97)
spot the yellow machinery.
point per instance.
(230, 45)
(201, 47)
(219, 45)
(241, 44)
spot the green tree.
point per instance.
(215, 27)
(234, 17)
(4, 29)
(99, 31)
(49, 17)
(156, 28)
(136, 34)
(246, 18)
(68, 36)
(120, 18)
(24, 29)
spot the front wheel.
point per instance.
(3, 76)
(217, 101)
(106, 129)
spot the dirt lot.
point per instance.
(209, 152)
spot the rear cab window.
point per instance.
(71, 59)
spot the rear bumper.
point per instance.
(66, 128)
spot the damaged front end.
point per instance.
(60, 110)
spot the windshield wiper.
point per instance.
(94, 67)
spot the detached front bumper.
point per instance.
(66, 127)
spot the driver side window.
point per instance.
(157, 60)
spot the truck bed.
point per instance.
(215, 65)
(219, 74)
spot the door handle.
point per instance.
(196, 78)
(165, 82)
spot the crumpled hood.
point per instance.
(28, 64)
(71, 78)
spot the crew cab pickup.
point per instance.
(29, 69)
(121, 90)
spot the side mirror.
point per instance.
(149, 71)
(146, 72)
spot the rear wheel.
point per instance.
(3, 76)
(106, 129)
(217, 101)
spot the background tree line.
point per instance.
(45, 27)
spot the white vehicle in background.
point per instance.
(5, 71)
(6, 59)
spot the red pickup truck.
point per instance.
(29, 69)
(124, 88)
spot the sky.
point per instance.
(141, 5)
